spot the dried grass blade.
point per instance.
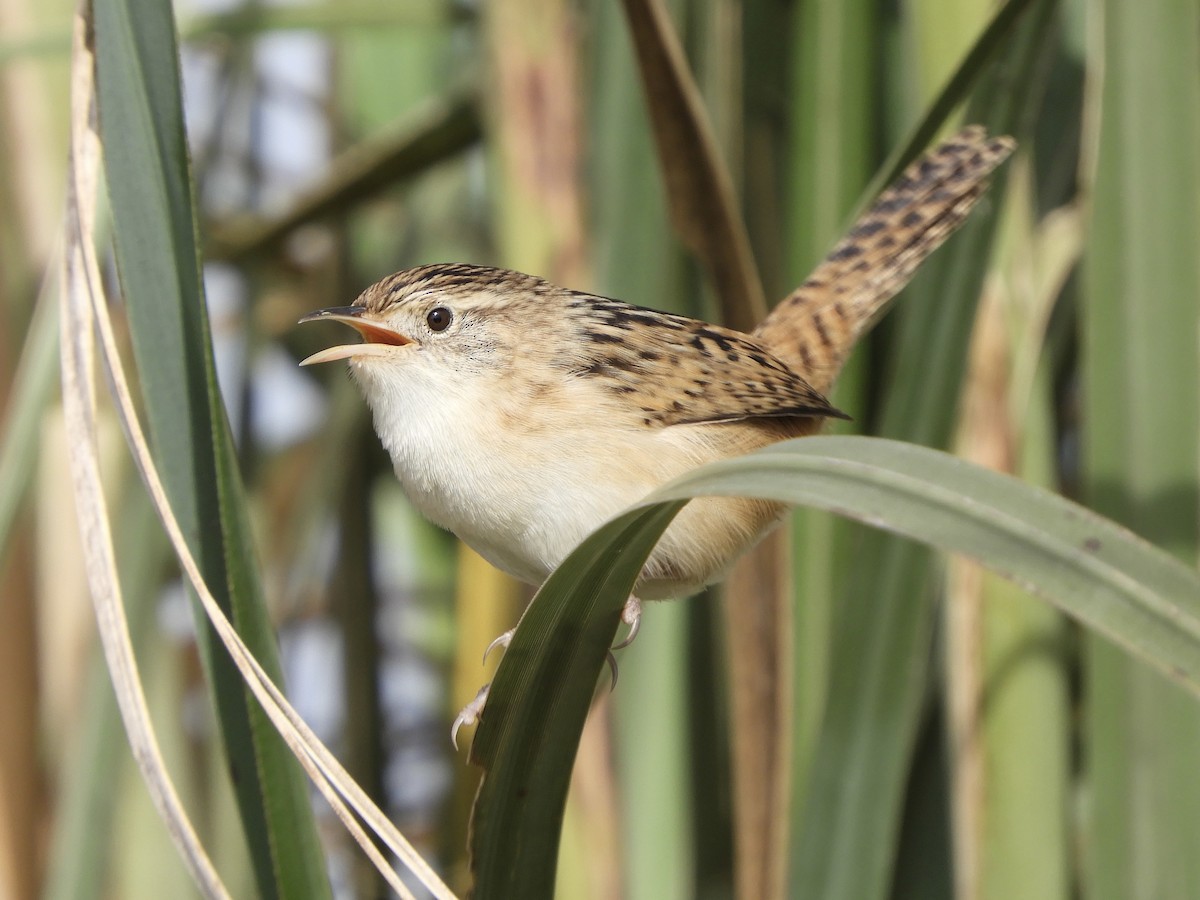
(80, 274)
(704, 207)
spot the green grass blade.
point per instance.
(834, 83)
(884, 618)
(530, 730)
(1008, 660)
(82, 844)
(1092, 569)
(1141, 378)
(831, 126)
(32, 388)
(149, 185)
(978, 60)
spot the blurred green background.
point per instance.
(948, 737)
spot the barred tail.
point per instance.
(815, 327)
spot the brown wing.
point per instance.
(677, 370)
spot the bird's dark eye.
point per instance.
(439, 318)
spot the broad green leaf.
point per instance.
(538, 703)
(1104, 576)
(149, 187)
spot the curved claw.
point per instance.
(469, 714)
(612, 667)
(502, 640)
(631, 615)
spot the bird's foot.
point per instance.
(505, 639)
(501, 641)
(470, 713)
(631, 615)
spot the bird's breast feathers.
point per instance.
(521, 481)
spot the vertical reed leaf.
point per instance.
(84, 829)
(830, 153)
(1141, 370)
(1006, 666)
(149, 185)
(32, 388)
(992, 40)
(847, 842)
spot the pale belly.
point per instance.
(526, 512)
(525, 505)
(524, 485)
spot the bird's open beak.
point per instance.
(376, 337)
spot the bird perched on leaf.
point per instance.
(521, 415)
